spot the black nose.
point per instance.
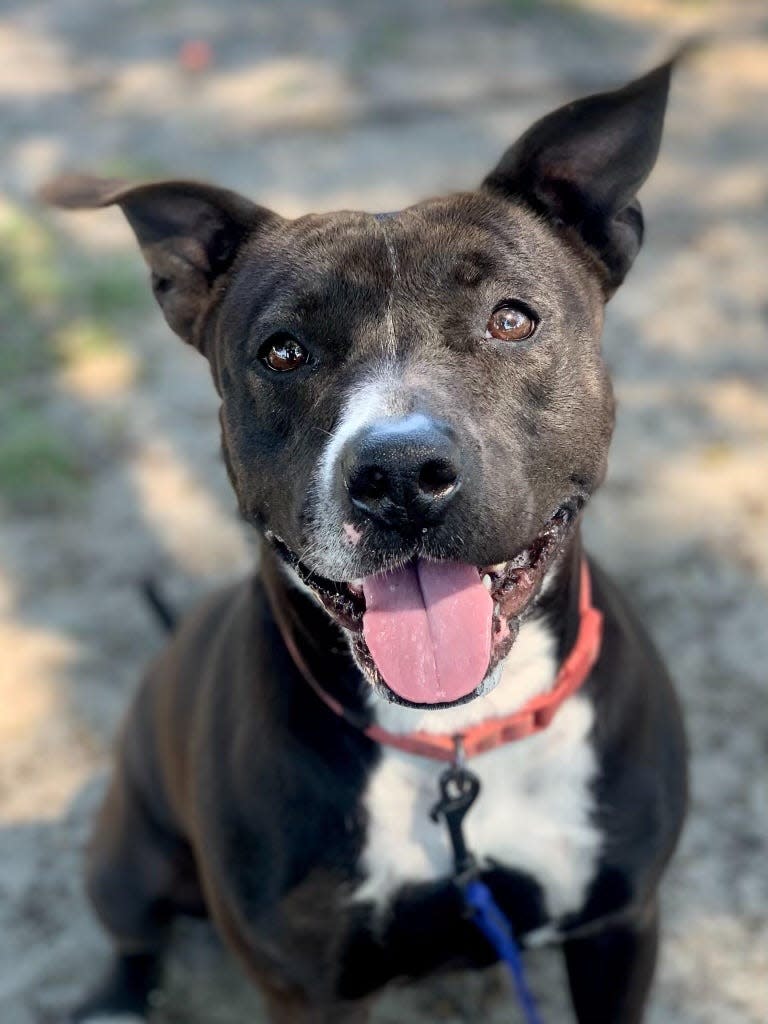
(403, 472)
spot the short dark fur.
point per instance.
(236, 792)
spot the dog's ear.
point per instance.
(189, 233)
(582, 166)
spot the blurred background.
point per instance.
(109, 464)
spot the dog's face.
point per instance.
(424, 388)
(414, 405)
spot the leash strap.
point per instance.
(459, 788)
(491, 922)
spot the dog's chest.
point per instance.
(534, 814)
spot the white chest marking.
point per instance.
(535, 809)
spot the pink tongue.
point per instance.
(428, 628)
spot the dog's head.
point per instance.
(414, 405)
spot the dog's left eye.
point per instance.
(283, 353)
(510, 323)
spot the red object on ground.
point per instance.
(195, 55)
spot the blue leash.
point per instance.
(459, 789)
(494, 926)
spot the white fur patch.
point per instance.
(365, 404)
(535, 810)
(391, 335)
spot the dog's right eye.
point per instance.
(511, 322)
(283, 353)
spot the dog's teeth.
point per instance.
(499, 567)
(487, 582)
(356, 586)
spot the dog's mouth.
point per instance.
(430, 633)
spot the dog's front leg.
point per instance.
(610, 973)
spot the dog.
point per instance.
(414, 413)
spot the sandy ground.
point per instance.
(319, 105)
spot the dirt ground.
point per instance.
(109, 464)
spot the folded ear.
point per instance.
(582, 166)
(189, 233)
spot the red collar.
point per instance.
(532, 717)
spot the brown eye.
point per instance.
(510, 323)
(283, 353)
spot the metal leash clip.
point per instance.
(459, 788)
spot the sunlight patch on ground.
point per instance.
(33, 65)
(269, 91)
(181, 511)
(34, 723)
(703, 950)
